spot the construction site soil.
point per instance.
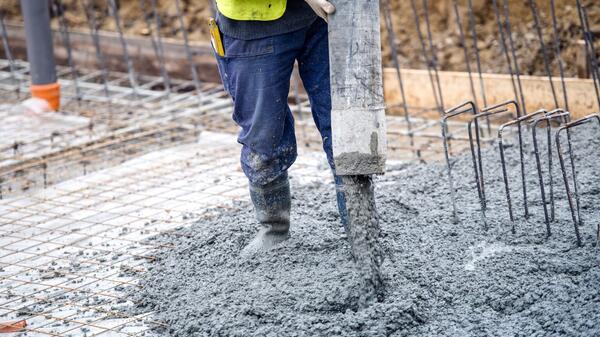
(446, 38)
(441, 278)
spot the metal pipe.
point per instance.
(357, 110)
(40, 52)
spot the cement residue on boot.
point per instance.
(441, 278)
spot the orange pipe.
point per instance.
(48, 92)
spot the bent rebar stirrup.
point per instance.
(574, 206)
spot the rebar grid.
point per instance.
(88, 237)
(120, 109)
(79, 160)
(114, 128)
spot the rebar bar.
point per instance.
(428, 63)
(8, 54)
(394, 51)
(486, 112)
(107, 217)
(550, 116)
(93, 26)
(477, 56)
(538, 29)
(155, 43)
(64, 31)
(463, 43)
(114, 12)
(574, 208)
(557, 51)
(188, 51)
(434, 57)
(513, 49)
(450, 113)
(558, 55)
(590, 48)
(159, 43)
(504, 49)
(518, 122)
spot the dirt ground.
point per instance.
(446, 39)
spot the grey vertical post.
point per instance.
(40, 52)
(358, 109)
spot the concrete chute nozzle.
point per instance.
(359, 130)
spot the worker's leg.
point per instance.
(256, 73)
(314, 70)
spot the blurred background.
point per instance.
(443, 28)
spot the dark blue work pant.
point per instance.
(256, 73)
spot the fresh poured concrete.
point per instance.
(441, 278)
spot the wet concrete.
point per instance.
(363, 235)
(351, 163)
(442, 279)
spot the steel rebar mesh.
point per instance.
(78, 243)
(82, 232)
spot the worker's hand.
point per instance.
(321, 7)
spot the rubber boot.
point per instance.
(272, 203)
(341, 203)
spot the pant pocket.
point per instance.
(247, 48)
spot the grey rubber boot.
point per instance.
(272, 203)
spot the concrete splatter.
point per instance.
(363, 234)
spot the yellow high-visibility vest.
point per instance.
(255, 10)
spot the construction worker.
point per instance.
(260, 40)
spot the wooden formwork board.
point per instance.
(456, 89)
(455, 85)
